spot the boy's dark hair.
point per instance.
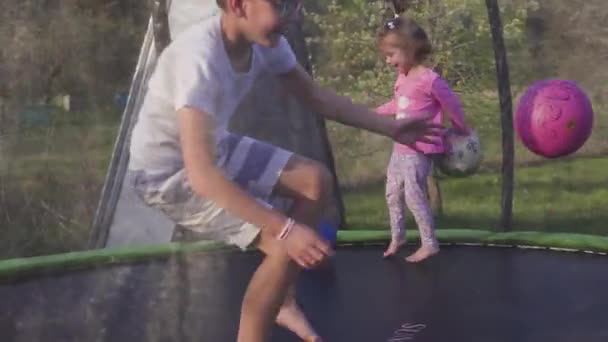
(221, 4)
(410, 35)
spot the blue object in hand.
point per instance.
(329, 232)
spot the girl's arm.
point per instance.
(450, 103)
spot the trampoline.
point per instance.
(479, 288)
(136, 285)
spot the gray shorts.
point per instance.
(254, 165)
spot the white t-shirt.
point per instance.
(194, 70)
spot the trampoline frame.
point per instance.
(12, 269)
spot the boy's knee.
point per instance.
(320, 183)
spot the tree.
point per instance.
(64, 47)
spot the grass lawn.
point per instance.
(559, 196)
(50, 181)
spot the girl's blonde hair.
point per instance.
(410, 37)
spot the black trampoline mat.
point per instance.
(466, 294)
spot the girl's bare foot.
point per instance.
(393, 247)
(423, 253)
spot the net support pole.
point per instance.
(506, 109)
(155, 39)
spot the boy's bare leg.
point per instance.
(270, 296)
(266, 291)
(310, 184)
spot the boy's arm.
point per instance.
(450, 104)
(341, 109)
(389, 108)
(303, 245)
(208, 181)
(194, 103)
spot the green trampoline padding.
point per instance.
(94, 258)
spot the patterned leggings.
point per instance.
(406, 184)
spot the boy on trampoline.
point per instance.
(218, 184)
(419, 92)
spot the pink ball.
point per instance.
(554, 118)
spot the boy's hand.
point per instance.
(409, 130)
(306, 247)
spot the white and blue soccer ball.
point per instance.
(463, 154)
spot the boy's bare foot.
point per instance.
(292, 318)
(423, 253)
(393, 247)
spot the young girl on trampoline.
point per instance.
(219, 184)
(419, 92)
